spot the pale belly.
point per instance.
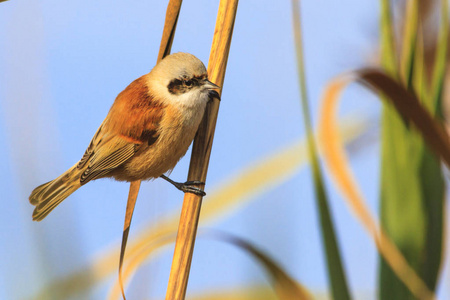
(162, 156)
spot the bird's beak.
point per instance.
(214, 94)
(211, 86)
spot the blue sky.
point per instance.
(64, 62)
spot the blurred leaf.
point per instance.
(430, 169)
(388, 60)
(410, 174)
(231, 195)
(285, 286)
(336, 275)
(440, 65)
(409, 107)
(429, 255)
(412, 111)
(419, 75)
(409, 42)
(260, 292)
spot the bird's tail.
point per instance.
(48, 195)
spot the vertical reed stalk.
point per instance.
(201, 151)
(170, 24)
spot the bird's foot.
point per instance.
(187, 187)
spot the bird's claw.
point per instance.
(188, 187)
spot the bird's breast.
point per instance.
(177, 129)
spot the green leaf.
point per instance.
(336, 274)
(411, 181)
(431, 174)
(440, 64)
(409, 42)
(413, 112)
(387, 39)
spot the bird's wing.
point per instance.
(133, 121)
(107, 156)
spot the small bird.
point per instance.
(146, 132)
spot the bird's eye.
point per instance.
(188, 82)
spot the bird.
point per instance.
(147, 130)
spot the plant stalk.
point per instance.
(187, 228)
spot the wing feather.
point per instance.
(106, 157)
(134, 119)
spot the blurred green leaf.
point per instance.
(388, 54)
(413, 112)
(430, 168)
(410, 108)
(411, 178)
(409, 42)
(336, 274)
(440, 64)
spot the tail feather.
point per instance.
(48, 195)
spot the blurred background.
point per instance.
(63, 63)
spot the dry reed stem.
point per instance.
(170, 24)
(201, 151)
(131, 202)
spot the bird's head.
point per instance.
(182, 78)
